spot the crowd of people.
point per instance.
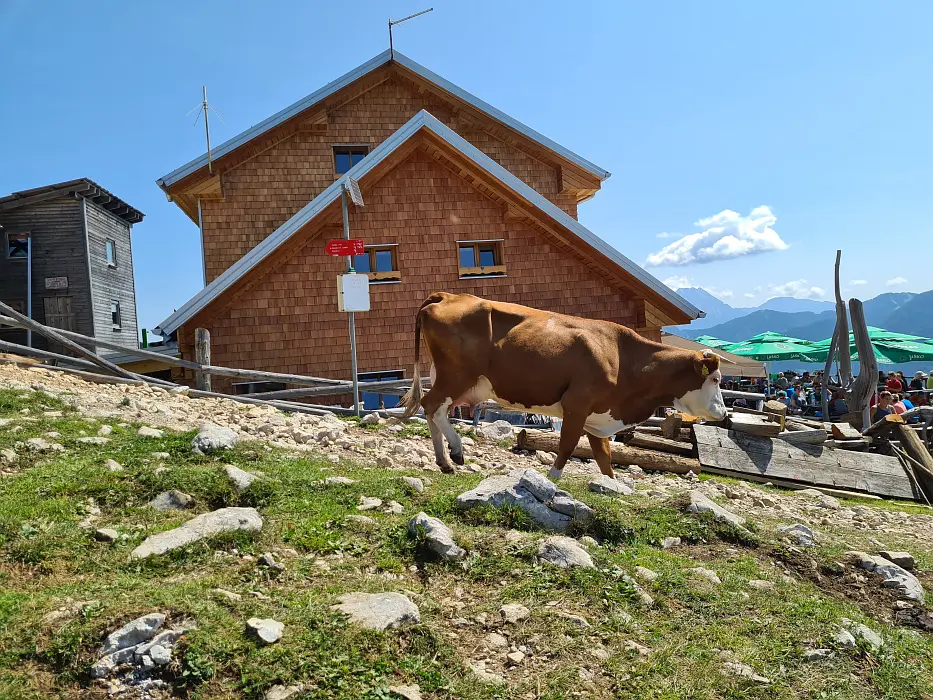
(803, 393)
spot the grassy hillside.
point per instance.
(586, 635)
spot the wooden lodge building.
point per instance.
(458, 197)
(72, 241)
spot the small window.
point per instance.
(111, 252)
(115, 315)
(373, 401)
(481, 258)
(17, 246)
(345, 157)
(380, 262)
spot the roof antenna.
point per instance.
(399, 21)
(204, 107)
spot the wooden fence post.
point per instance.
(202, 355)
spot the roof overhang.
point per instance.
(383, 59)
(82, 187)
(421, 121)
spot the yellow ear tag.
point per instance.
(705, 371)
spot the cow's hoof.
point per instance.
(555, 474)
(457, 457)
(446, 467)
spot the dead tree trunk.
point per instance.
(860, 392)
(202, 354)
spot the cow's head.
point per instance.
(704, 395)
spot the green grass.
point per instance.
(46, 559)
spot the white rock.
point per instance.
(761, 585)
(406, 692)
(105, 430)
(608, 486)
(240, 479)
(437, 535)
(370, 419)
(817, 654)
(113, 466)
(106, 534)
(363, 520)
(545, 458)
(338, 481)
(284, 692)
(201, 527)
(7, 456)
(108, 663)
(173, 499)
(160, 655)
(893, 576)
(734, 668)
(40, 445)
(132, 633)
(369, 503)
(92, 440)
(513, 612)
(564, 552)
(515, 657)
(413, 484)
(645, 574)
(669, 542)
(500, 430)
(494, 640)
(801, 534)
(379, 611)
(902, 559)
(265, 629)
(478, 669)
(699, 503)
(147, 432)
(708, 574)
(845, 639)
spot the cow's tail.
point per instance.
(412, 398)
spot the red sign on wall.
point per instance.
(343, 247)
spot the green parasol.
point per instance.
(772, 347)
(711, 341)
(890, 348)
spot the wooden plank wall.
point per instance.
(731, 453)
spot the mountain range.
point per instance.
(809, 319)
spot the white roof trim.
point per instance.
(377, 62)
(421, 120)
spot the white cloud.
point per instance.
(858, 283)
(726, 235)
(798, 289)
(749, 295)
(896, 282)
(721, 294)
(665, 234)
(677, 282)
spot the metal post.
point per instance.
(207, 132)
(29, 286)
(145, 338)
(356, 378)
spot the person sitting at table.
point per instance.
(898, 403)
(800, 401)
(930, 380)
(908, 404)
(918, 381)
(893, 384)
(781, 382)
(883, 408)
(837, 407)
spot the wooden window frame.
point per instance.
(393, 275)
(16, 234)
(497, 270)
(108, 243)
(350, 148)
(118, 326)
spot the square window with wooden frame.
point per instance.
(380, 262)
(481, 258)
(111, 248)
(345, 157)
(115, 320)
(17, 245)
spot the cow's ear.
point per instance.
(706, 364)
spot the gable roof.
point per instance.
(82, 187)
(422, 120)
(385, 58)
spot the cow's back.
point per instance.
(529, 356)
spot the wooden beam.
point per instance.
(883, 426)
(620, 454)
(920, 455)
(760, 426)
(661, 444)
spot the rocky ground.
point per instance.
(275, 555)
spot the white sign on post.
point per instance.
(353, 292)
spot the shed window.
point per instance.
(481, 258)
(17, 246)
(380, 262)
(345, 157)
(115, 315)
(111, 246)
(373, 401)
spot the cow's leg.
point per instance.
(436, 403)
(570, 433)
(602, 454)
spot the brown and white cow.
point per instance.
(599, 377)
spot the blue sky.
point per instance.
(809, 122)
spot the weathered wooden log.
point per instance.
(755, 425)
(778, 410)
(670, 426)
(844, 431)
(809, 436)
(683, 435)
(620, 454)
(661, 444)
(860, 445)
(920, 455)
(202, 353)
(859, 392)
(743, 409)
(884, 426)
(51, 334)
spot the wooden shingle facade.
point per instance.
(81, 257)
(458, 197)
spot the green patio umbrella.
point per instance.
(711, 341)
(772, 347)
(890, 348)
